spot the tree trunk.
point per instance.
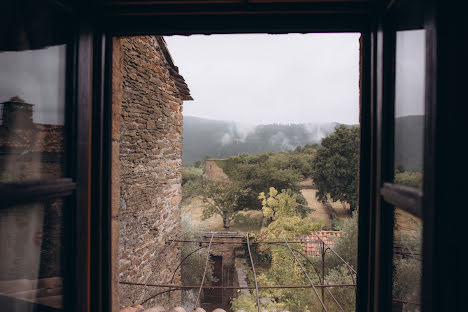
(226, 222)
(264, 221)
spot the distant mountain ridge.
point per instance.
(221, 139)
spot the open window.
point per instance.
(400, 148)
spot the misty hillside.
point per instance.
(221, 139)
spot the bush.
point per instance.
(345, 245)
(191, 182)
(191, 174)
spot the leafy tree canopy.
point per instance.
(257, 173)
(335, 167)
(222, 198)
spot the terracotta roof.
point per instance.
(182, 87)
(312, 247)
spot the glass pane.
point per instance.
(409, 106)
(31, 245)
(32, 110)
(407, 261)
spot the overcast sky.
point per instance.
(260, 79)
(409, 72)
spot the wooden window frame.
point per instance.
(308, 23)
(86, 224)
(440, 290)
(89, 276)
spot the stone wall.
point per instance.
(147, 140)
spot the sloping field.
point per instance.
(320, 212)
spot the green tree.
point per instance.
(191, 182)
(257, 173)
(335, 167)
(346, 244)
(281, 210)
(221, 198)
(283, 268)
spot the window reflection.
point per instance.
(409, 106)
(31, 245)
(32, 105)
(407, 261)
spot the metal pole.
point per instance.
(204, 272)
(255, 274)
(236, 287)
(350, 268)
(159, 293)
(171, 244)
(323, 270)
(181, 262)
(322, 281)
(339, 257)
(230, 242)
(305, 273)
(319, 277)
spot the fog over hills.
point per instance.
(221, 139)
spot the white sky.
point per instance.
(261, 79)
(410, 72)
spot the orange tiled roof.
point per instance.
(312, 246)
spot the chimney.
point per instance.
(17, 114)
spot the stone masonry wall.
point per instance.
(150, 171)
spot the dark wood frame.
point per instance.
(388, 194)
(81, 221)
(443, 276)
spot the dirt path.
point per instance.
(319, 212)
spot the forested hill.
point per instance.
(221, 139)
(409, 142)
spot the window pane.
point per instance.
(409, 106)
(32, 111)
(407, 261)
(31, 245)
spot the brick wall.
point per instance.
(147, 141)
